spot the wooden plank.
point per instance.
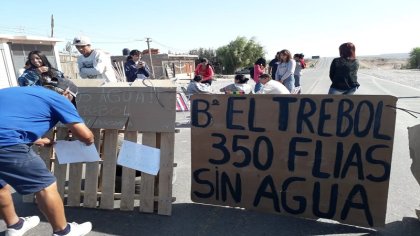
(90, 199)
(166, 173)
(109, 167)
(128, 179)
(75, 183)
(147, 182)
(60, 171)
(47, 152)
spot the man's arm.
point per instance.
(82, 132)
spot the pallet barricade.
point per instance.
(143, 112)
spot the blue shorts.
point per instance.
(23, 169)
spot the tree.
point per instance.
(415, 58)
(239, 53)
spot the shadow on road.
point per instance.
(198, 219)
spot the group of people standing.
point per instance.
(284, 75)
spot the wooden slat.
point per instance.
(166, 173)
(109, 168)
(75, 180)
(128, 184)
(147, 182)
(90, 198)
(60, 171)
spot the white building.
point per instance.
(14, 52)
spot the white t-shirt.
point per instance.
(96, 66)
(274, 87)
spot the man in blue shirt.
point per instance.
(27, 113)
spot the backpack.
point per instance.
(251, 72)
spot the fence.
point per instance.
(93, 184)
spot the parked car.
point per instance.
(244, 71)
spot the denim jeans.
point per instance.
(334, 91)
(258, 87)
(297, 80)
(289, 83)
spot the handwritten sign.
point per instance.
(312, 156)
(142, 106)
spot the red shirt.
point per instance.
(206, 72)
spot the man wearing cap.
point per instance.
(93, 63)
(22, 125)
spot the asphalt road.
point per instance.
(196, 219)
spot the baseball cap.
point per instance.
(81, 41)
(60, 84)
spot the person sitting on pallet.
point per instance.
(197, 87)
(239, 86)
(22, 125)
(135, 68)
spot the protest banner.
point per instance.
(312, 156)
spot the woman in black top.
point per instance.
(343, 71)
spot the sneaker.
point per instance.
(28, 223)
(78, 229)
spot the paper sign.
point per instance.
(75, 151)
(139, 157)
(312, 156)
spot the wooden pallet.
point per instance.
(92, 185)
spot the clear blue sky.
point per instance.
(307, 26)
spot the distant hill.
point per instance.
(389, 56)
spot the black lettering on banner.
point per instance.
(355, 151)
(195, 111)
(230, 111)
(359, 132)
(270, 193)
(236, 147)
(293, 152)
(220, 146)
(363, 203)
(316, 196)
(344, 113)
(316, 169)
(377, 123)
(386, 165)
(338, 159)
(303, 116)
(256, 152)
(217, 184)
(251, 118)
(198, 180)
(235, 192)
(300, 199)
(284, 111)
(324, 117)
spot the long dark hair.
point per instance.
(52, 72)
(288, 55)
(347, 50)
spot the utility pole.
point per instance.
(52, 26)
(148, 40)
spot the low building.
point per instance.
(167, 65)
(14, 52)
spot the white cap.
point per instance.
(81, 41)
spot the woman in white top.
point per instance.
(286, 69)
(240, 86)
